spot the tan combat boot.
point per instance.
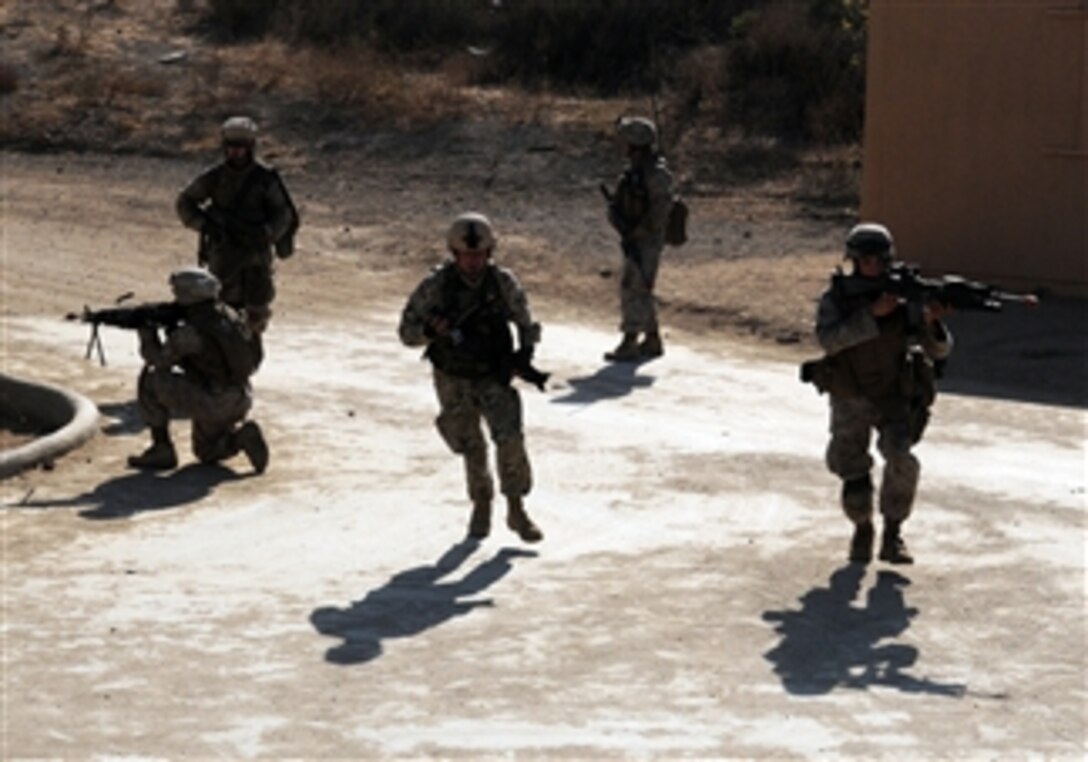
(479, 524)
(250, 440)
(160, 456)
(892, 548)
(518, 521)
(651, 345)
(626, 351)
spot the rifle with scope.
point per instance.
(905, 280)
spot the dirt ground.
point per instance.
(690, 598)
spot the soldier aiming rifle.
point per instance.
(882, 330)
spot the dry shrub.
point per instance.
(796, 70)
(831, 178)
(371, 87)
(120, 83)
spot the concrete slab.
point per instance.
(690, 599)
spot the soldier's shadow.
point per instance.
(143, 491)
(831, 643)
(410, 602)
(611, 381)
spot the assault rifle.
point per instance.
(521, 365)
(166, 315)
(905, 280)
(510, 363)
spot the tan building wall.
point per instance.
(976, 137)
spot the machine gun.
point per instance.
(906, 281)
(166, 315)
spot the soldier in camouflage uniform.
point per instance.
(639, 211)
(241, 209)
(461, 313)
(881, 379)
(201, 372)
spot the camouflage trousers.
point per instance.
(852, 422)
(638, 311)
(162, 395)
(246, 279)
(462, 403)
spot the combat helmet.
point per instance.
(637, 131)
(193, 284)
(471, 231)
(870, 238)
(239, 130)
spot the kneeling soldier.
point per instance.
(200, 371)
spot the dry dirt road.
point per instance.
(690, 598)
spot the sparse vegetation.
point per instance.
(742, 89)
(788, 69)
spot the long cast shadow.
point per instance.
(1033, 355)
(831, 643)
(608, 382)
(410, 602)
(142, 491)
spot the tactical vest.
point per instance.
(876, 367)
(231, 352)
(479, 341)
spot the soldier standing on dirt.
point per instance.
(881, 378)
(461, 312)
(243, 212)
(639, 211)
(201, 372)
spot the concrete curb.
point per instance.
(71, 419)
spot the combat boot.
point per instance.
(651, 346)
(861, 544)
(160, 456)
(479, 524)
(250, 440)
(892, 548)
(518, 521)
(626, 351)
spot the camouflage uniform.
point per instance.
(467, 390)
(251, 199)
(200, 372)
(639, 212)
(884, 383)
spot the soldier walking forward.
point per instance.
(461, 312)
(244, 215)
(881, 378)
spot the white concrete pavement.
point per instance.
(690, 598)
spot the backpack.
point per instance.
(242, 350)
(676, 227)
